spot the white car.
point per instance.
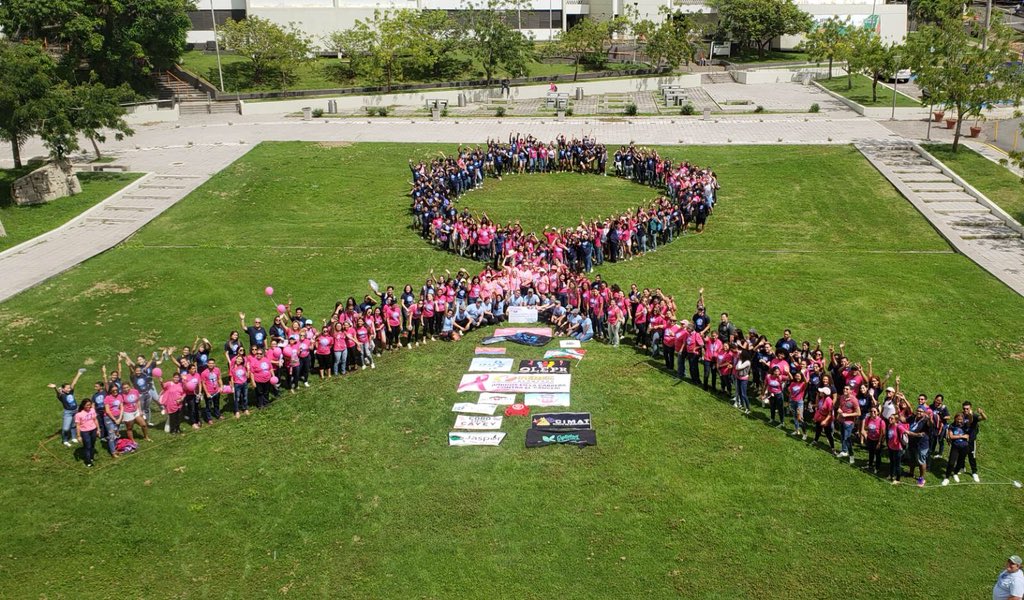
(902, 76)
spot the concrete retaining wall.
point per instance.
(150, 113)
(902, 113)
(755, 76)
(420, 98)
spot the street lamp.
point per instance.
(895, 83)
(216, 45)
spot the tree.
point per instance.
(935, 11)
(871, 55)
(93, 108)
(584, 39)
(672, 41)
(962, 76)
(112, 41)
(755, 23)
(440, 37)
(491, 40)
(829, 40)
(27, 75)
(274, 52)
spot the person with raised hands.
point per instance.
(69, 405)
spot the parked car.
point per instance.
(901, 76)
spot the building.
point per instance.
(541, 18)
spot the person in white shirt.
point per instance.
(1010, 583)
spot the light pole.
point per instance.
(216, 45)
(895, 82)
(551, 18)
(988, 22)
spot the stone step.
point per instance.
(992, 232)
(917, 169)
(960, 208)
(935, 177)
(947, 197)
(144, 197)
(977, 220)
(923, 186)
(129, 208)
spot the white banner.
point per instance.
(516, 383)
(547, 400)
(569, 344)
(471, 422)
(496, 399)
(522, 314)
(478, 409)
(491, 365)
(475, 438)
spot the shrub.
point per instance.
(370, 110)
(382, 111)
(687, 109)
(444, 112)
(631, 109)
(318, 112)
(568, 112)
(815, 108)
(500, 111)
(759, 109)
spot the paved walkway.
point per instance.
(180, 157)
(968, 220)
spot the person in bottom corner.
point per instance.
(66, 397)
(971, 421)
(88, 426)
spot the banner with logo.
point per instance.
(474, 422)
(485, 351)
(544, 366)
(510, 331)
(568, 353)
(496, 399)
(536, 438)
(492, 365)
(569, 344)
(475, 438)
(522, 314)
(515, 383)
(547, 400)
(474, 408)
(561, 421)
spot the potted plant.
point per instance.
(975, 130)
(938, 115)
(950, 123)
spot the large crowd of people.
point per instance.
(820, 389)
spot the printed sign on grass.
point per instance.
(492, 365)
(515, 383)
(485, 351)
(567, 353)
(536, 438)
(522, 314)
(472, 422)
(475, 438)
(561, 421)
(496, 399)
(547, 400)
(544, 366)
(569, 344)
(476, 409)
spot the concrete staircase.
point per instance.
(170, 87)
(972, 223)
(712, 78)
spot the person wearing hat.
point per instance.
(920, 434)
(1010, 583)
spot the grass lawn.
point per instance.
(319, 74)
(774, 56)
(349, 490)
(998, 183)
(26, 222)
(861, 92)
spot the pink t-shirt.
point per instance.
(85, 420)
(211, 381)
(262, 369)
(324, 343)
(185, 381)
(894, 436)
(239, 374)
(171, 397)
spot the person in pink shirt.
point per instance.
(615, 318)
(339, 349)
(240, 376)
(773, 394)
(668, 343)
(872, 432)
(324, 352)
(365, 343)
(694, 349)
(823, 415)
(896, 442)
(192, 384)
(261, 371)
(88, 426)
(211, 392)
(132, 415)
(712, 347)
(796, 389)
(171, 402)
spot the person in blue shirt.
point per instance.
(958, 438)
(66, 397)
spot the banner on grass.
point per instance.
(522, 314)
(471, 422)
(478, 409)
(568, 353)
(481, 350)
(510, 331)
(536, 438)
(569, 344)
(515, 383)
(544, 366)
(496, 399)
(561, 421)
(492, 365)
(475, 438)
(547, 400)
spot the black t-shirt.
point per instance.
(232, 348)
(257, 336)
(785, 345)
(67, 400)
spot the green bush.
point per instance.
(815, 108)
(318, 112)
(444, 112)
(382, 111)
(568, 112)
(759, 109)
(687, 109)
(500, 111)
(370, 110)
(631, 109)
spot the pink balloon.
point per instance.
(274, 380)
(281, 308)
(226, 389)
(157, 372)
(190, 385)
(269, 291)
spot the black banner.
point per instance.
(529, 339)
(536, 438)
(561, 421)
(555, 367)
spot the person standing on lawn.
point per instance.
(66, 397)
(920, 434)
(958, 438)
(1010, 583)
(971, 421)
(85, 420)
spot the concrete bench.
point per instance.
(557, 100)
(109, 167)
(438, 103)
